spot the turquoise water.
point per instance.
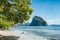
(46, 31)
(38, 27)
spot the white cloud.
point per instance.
(53, 21)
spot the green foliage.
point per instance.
(4, 24)
(14, 11)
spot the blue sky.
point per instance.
(49, 10)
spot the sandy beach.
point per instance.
(22, 35)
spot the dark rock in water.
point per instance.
(38, 21)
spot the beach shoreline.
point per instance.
(21, 35)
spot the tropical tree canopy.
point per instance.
(14, 11)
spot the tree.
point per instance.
(14, 11)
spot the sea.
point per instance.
(45, 31)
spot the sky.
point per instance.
(49, 10)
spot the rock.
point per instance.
(9, 38)
(38, 21)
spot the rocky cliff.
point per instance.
(38, 21)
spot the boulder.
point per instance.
(9, 38)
